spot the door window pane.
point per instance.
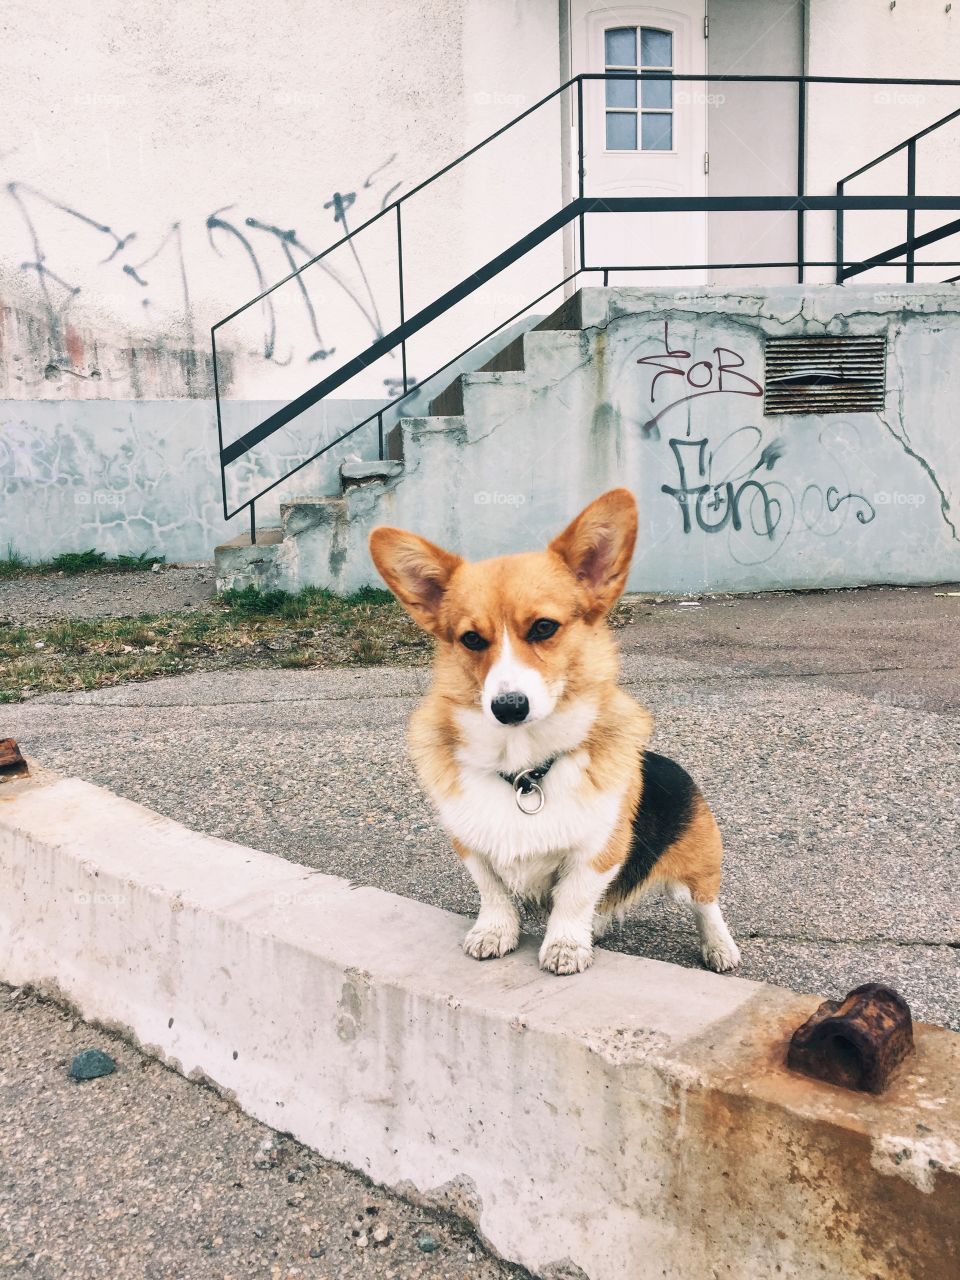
(621, 93)
(622, 130)
(656, 48)
(621, 47)
(657, 132)
(656, 93)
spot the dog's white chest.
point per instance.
(528, 849)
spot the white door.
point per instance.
(643, 138)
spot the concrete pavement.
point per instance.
(822, 727)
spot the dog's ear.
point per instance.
(416, 571)
(598, 545)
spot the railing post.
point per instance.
(216, 396)
(403, 341)
(253, 522)
(911, 213)
(801, 170)
(840, 264)
(580, 168)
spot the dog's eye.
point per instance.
(542, 629)
(473, 640)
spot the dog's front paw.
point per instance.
(720, 954)
(489, 939)
(564, 955)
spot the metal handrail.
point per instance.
(568, 84)
(914, 137)
(577, 209)
(912, 243)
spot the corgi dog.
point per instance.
(534, 758)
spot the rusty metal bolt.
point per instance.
(12, 763)
(856, 1042)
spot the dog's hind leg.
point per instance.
(690, 870)
(717, 946)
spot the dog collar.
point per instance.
(527, 783)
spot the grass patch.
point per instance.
(13, 565)
(248, 628)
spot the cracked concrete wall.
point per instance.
(664, 392)
(141, 476)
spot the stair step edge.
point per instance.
(269, 536)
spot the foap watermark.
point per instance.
(892, 498)
(898, 97)
(498, 99)
(113, 100)
(698, 98)
(99, 498)
(283, 900)
(704, 300)
(286, 98)
(492, 498)
(899, 698)
(98, 898)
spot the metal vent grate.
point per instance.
(824, 374)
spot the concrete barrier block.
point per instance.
(636, 1120)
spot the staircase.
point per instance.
(467, 473)
(776, 437)
(664, 391)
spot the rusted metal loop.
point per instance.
(856, 1042)
(12, 763)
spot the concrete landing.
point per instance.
(677, 394)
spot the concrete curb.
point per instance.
(635, 1120)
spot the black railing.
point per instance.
(907, 249)
(576, 210)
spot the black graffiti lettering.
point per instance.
(701, 364)
(340, 203)
(727, 496)
(217, 223)
(864, 514)
(684, 492)
(769, 506)
(58, 293)
(731, 369)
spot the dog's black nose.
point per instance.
(510, 708)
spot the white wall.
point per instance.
(763, 38)
(128, 125)
(914, 39)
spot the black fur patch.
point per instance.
(664, 811)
